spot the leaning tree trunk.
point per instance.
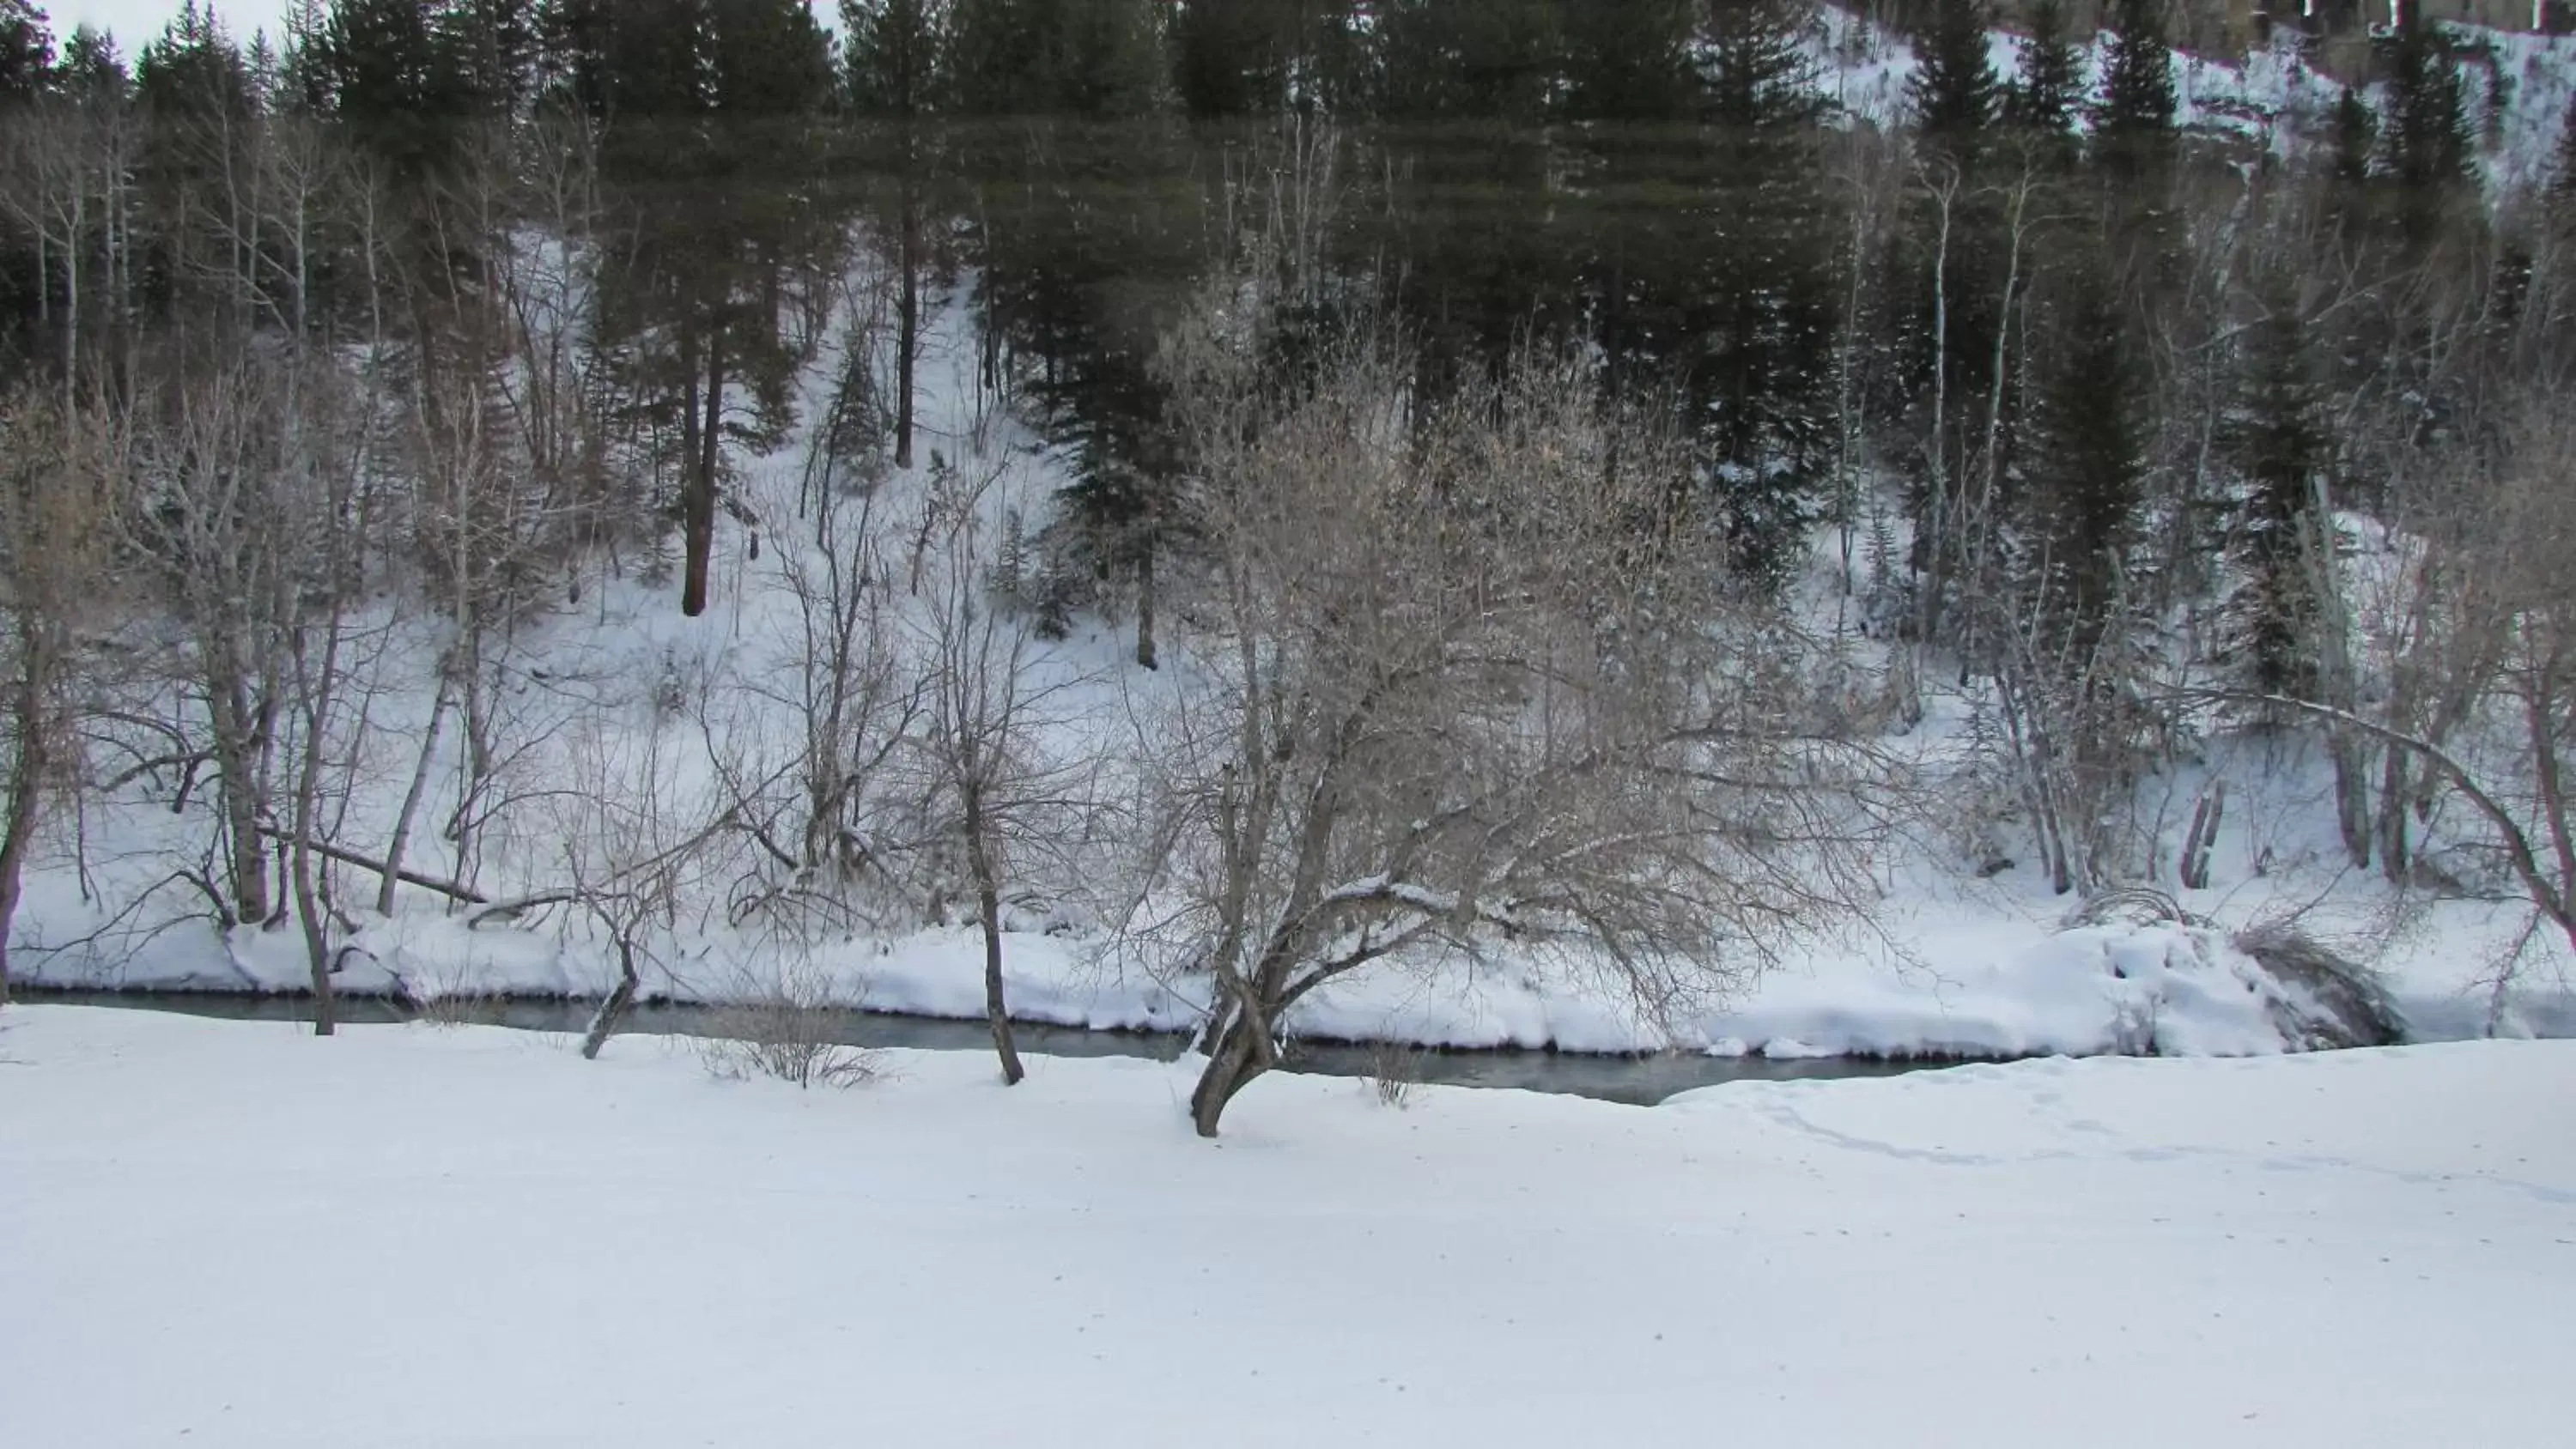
(603, 1023)
(1240, 1053)
(988, 902)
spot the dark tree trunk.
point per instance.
(2352, 800)
(603, 1023)
(908, 317)
(26, 787)
(699, 504)
(988, 912)
(317, 944)
(1242, 1055)
(1145, 603)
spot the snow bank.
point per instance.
(489, 1241)
(2003, 991)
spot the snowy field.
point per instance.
(229, 1234)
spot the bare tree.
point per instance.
(1459, 697)
(57, 472)
(984, 734)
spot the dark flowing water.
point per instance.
(1637, 1080)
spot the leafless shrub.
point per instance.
(2135, 905)
(447, 1010)
(784, 1025)
(1394, 1070)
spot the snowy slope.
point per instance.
(233, 1235)
(1954, 965)
(2271, 97)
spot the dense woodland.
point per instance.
(1569, 447)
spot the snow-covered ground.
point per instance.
(226, 1234)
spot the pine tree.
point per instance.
(1756, 72)
(1467, 59)
(1757, 308)
(1116, 64)
(90, 70)
(628, 59)
(1241, 57)
(1954, 94)
(26, 51)
(2086, 466)
(2430, 142)
(495, 44)
(1089, 58)
(2133, 126)
(1000, 57)
(891, 53)
(2050, 85)
(767, 58)
(392, 78)
(2356, 138)
(2281, 446)
(1630, 60)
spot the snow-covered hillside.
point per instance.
(2273, 98)
(623, 718)
(615, 722)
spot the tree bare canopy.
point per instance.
(1473, 687)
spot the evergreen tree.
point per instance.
(2429, 140)
(1756, 72)
(495, 45)
(767, 59)
(1116, 65)
(90, 70)
(2281, 447)
(2086, 467)
(2133, 126)
(1088, 58)
(2356, 138)
(390, 76)
(627, 59)
(1001, 58)
(1755, 308)
(26, 51)
(891, 52)
(1466, 59)
(2050, 85)
(1630, 60)
(1954, 94)
(1241, 57)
